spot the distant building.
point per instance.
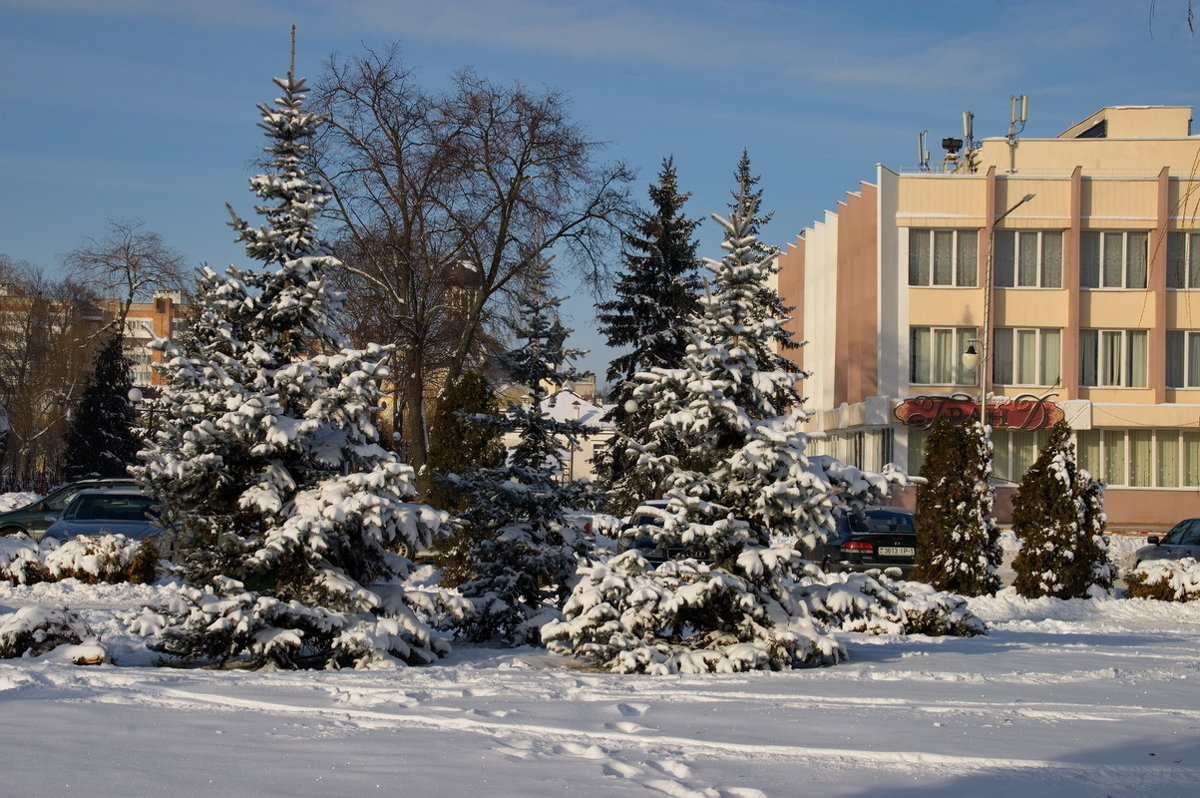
(146, 321)
(1092, 240)
(567, 405)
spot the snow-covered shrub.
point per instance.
(21, 560)
(103, 558)
(224, 623)
(1058, 517)
(1165, 580)
(876, 604)
(32, 631)
(958, 545)
(685, 617)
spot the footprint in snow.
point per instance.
(492, 713)
(622, 770)
(627, 727)
(632, 710)
(673, 768)
(515, 751)
(580, 750)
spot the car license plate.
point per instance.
(896, 551)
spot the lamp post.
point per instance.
(982, 357)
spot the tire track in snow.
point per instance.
(608, 747)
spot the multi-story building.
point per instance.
(1069, 267)
(146, 321)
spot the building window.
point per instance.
(1142, 458)
(943, 257)
(1014, 451)
(1183, 260)
(1027, 356)
(1028, 259)
(1113, 259)
(1183, 359)
(1112, 358)
(935, 356)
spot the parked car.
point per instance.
(1182, 541)
(125, 512)
(33, 519)
(632, 535)
(873, 537)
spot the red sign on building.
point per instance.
(1023, 412)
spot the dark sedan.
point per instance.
(874, 537)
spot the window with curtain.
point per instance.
(935, 356)
(1168, 458)
(943, 257)
(1183, 359)
(1027, 356)
(1113, 259)
(1113, 358)
(1183, 260)
(1027, 259)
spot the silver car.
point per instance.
(104, 512)
(1182, 541)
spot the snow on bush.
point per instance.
(34, 631)
(1165, 580)
(685, 617)
(20, 560)
(876, 604)
(106, 558)
(103, 558)
(224, 624)
(15, 501)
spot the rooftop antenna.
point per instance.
(922, 152)
(1018, 113)
(969, 143)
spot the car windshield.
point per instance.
(1181, 533)
(882, 521)
(111, 508)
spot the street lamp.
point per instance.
(981, 357)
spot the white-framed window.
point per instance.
(1112, 358)
(1113, 259)
(1027, 356)
(1142, 458)
(935, 356)
(1183, 260)
(1183, 359)
(943, 257)
(1028, 258)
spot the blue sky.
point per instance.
(146, 108)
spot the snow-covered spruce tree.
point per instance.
(102, 440)
(525, 550)
(278, 497)
(463, 435)
(1056, 520)
(658, 286)
(958, 546)
(740, 490)
(768, 303)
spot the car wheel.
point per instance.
(11, 530)
(403, 549)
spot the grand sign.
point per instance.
(1026, 411)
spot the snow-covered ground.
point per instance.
(1062, 698)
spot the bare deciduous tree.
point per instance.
(445, 203)
(129, 264)
(46, 349)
